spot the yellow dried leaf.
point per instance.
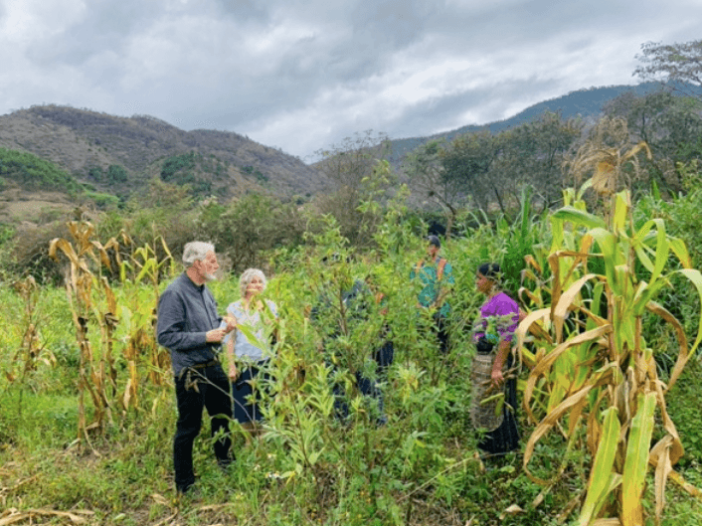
(511, 510)
(565, 303)
(160, 499)
(546, 424)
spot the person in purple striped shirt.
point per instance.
(499, 317)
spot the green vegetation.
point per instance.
(33, 173)
(256, 173)
(175, 164)
(116, 174)
(110, 455)
(102, 200)
(181, 170)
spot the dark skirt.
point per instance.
(246, 399)
(506, 437)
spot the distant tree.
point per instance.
(670, 125)
(116, 174)
(532, 155)
(162, 208)
(467, 161)
(679, 65)
(250, 225)
(641, 113)
(347, 163)
(352, 169)
(96, 173)
(494, 169)
(423, 166)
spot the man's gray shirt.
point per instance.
(186, 312)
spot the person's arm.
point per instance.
(506, 307)
(500, 358)
(444, 291)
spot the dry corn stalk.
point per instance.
(81, 283)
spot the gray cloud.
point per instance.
(302, 74)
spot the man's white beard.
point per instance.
(209, 277)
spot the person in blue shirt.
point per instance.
(247, 359)
(436, 277)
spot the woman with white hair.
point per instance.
(248, 348)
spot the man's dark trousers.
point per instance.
(213, 393)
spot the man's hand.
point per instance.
(231, 323)
(215, 335)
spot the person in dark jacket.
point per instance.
(189, 326)
(353, 312)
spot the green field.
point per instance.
(107, 459)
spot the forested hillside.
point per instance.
(119, 155)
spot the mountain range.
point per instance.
(117, 156)
(585, 103)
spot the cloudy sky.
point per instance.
(302, 75)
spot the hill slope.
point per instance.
(119, 154)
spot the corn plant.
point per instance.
(138, 311)
(95, 371)
(31, 349)
(594, 377)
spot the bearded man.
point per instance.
(189, 327)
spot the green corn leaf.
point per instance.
(251, 336)
(623, 203)
(607, 244)
(149, 266)
(662, 249)
(579, 217)
(636, 462)
(557, 234)
(680, 249)
(643, 233)
(643, 257)
(123, 271)
(586, 185)
(696, 279)
(645, 293)
(596, 300)
(601, 474)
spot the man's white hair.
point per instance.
(247, 276)
(196, 250)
